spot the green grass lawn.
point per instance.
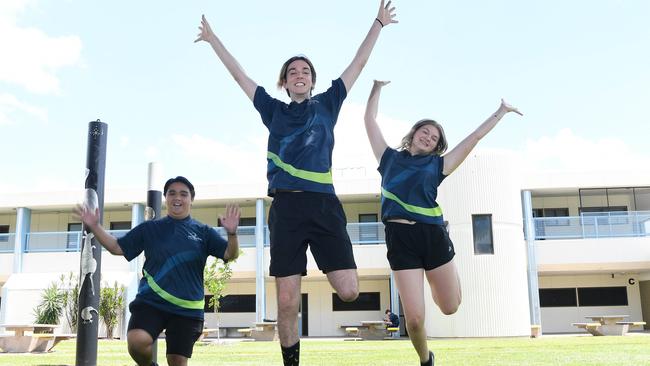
(555, 351)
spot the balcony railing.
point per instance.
(70, 241)
(7, 243)
(593, 225)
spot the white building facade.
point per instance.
(590, 246)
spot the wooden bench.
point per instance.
(535, 330)
(207, 331)
(589, 327)
(246, 332)
(631, 324)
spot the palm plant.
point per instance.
(50, 308)
(111, 306)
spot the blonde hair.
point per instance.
(440, 148)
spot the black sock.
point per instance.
(291, 354)
(430, 362)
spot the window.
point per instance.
(74, 236)
(365, 301)
(368, 232)
(602, 296)
(4, 229)
(246, 225)
(552, 212)
(121, 225)
(557, 297)
(482, 232)
(233, 304)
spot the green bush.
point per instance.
(111, 306)
(51, 306)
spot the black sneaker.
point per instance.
(430, 361)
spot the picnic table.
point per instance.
(29, 338)
(372, 329)
(264, 331)
(602, 325)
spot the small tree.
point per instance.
(215, 277)
(50, 308)
(111, 306)
(71, 300)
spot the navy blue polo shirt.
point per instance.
(176, 252)
(409, 186)
(301, 139)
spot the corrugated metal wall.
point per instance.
(495, 289)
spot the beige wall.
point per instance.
(558, 320)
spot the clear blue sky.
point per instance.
(578, 70)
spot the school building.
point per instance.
(545, 249)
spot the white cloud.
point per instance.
(242, 162)
(152, 153)
(31, 58)
(11, 106)
(568, 152)
(353, 156)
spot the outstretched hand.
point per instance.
(386, 14)
(508, 108)
(206, 33)
(231, 219)
(381, 83)
(89, 217)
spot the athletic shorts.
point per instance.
(180, 332)
(298, 219)
(417, 246)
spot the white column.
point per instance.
(23, 222)
(533, 285)
(260, 288)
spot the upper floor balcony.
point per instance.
(70, 241)
(593, 225)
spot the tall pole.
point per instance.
(152, 212)
(91, 253)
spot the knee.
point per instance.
(414, 323)
(450, 309)
(348, 295)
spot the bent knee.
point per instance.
(450, 308)
(348, 295)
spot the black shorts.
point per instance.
(417, 246)
(180, 332)
(298, 219)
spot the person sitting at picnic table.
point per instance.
(392, 320)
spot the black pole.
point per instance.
(91, 254)
(152, 212)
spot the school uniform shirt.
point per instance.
(409, 186)
(176, 252)
(301, 139)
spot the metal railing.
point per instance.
(70, 241)
(593, 225)
(7, 242)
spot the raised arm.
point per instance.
(377, 141)
(385, 16)
(91, 220)
(237, 72)
(230, 222)
(458, 154)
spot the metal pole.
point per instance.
(91, 253)
(152, 212)
(533, 280)
(260, 287)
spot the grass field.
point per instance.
(547, 350)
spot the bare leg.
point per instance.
(445, 287)
(176, 360)
(346, 283)
(410, 284)
(140, 346)
(288, 289)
